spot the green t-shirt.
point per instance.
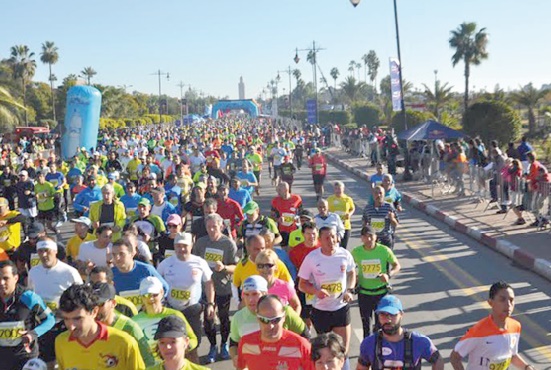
(245, 322)
(148, 323)
(129, 326)
(187, 366)
(370, 264)
(256, 160)
(44, 196)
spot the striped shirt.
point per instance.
(378, 218)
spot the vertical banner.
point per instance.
(312, 110)
(395, 87)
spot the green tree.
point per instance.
(9, 107)
(367, 114)
(438, 98)
(352, 88)
(297, 74)
(335, 74)
(530, 97)
(352, 67)
(373, 64)
(88, 73)
(470, 48)
(39, 99)
(61, 93)
(50, 56)
(23, 66)
(492, 120)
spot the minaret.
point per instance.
(241, 87)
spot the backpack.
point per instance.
(408, 352)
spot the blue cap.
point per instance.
(255, 283)
(390, 304)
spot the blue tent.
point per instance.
(430, 130)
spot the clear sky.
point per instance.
(211, 43)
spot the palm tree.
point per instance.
(470, 47)
(351, 88)
(358, 68)
(23, 66)
(50, 56)
(441, 95)
(8, 108)
(530, 97)
(335, 74)
(297, 74)
(373, 66)
(365, 59)
(352, 67)
(88, 73)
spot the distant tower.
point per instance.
(241, 87)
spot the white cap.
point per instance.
(151, 285)
(183, 238)
(46, 244)
(35, 364)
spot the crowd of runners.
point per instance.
(167, 234)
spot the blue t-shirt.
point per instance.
(393, 352)
(56, 179)
(131, 203)
(241, 196)
(131, 280)
(249, 176)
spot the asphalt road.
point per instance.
(444, 280)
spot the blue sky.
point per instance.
(211, 43)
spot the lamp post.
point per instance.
(407, 174)
(290, 73)
(314, 60)
(181, 85)
(159, 74)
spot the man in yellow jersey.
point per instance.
(87, 343)
(343, 205)
(10, 227)
(82, 234)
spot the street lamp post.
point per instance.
(181, 85)
(314, 50)
(159, 74)
(407, 173)
(290, 73)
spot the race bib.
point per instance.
(54, 182)
(130, 212)
(133, 296)
(35, 260)
(318, 167)
(169, 253)
(10, 333)
(389, 200)
(213, 255)
(334, 288)
(378, 224)
(244, 182)
(288, 219)
(51, 305)
(310, 298)
(503, 365)
(174, 201)
(371, 268)
(180, 295)
(7, 182)
(42, 197)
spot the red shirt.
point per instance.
(318, 165)
(211, 155)
(288, 209)
(291, 352)
(298, 253)
(230, 210)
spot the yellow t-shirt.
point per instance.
(10, 234)
(73, 245)
(243, 271)
(112, 349)
(340, 206)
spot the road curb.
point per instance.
(519, 256)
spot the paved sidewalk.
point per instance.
(525, 245)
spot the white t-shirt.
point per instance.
(184, 279)
(89, 252)
(329, 273)
(143, 249)
(51, 283)
(158, 210)
(196, 162)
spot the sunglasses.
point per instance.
(265, 265)
(270, 320)
(151, 295)
(172, 226)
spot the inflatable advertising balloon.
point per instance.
(81, 120)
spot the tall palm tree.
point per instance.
(8, 108)
(88, 73)
(373, 64)
(365, 59)
(358, 68)
(352, 88)
(50, 56)
(530, 97)
(470, 47)
(297, 74)
(439, 97)
(335, 74)
(24, 67)
(352, 67)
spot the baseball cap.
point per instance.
(174, 219)
(250, 207)
(254, 283)
(35, 229)
(390, 304)
(144, 202)
(171, 327)
(368, 229)
(151, 285)
(23, 172)
(183, 238)
(306, 214)
(82, 220)
(46, 244)
(35, 364)
(4, 202)
(113, 175)
(104, 291)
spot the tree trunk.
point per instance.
(531, 121)
(466, 97)
(25, 101)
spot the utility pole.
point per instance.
(290, 73)
(159, 74)
(314, 50)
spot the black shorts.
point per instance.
(48, 215)
(46, 342)
(284, 238)
(325, 321)
(306, 312)
(276, 171)
(193, 315)
(318, 179)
